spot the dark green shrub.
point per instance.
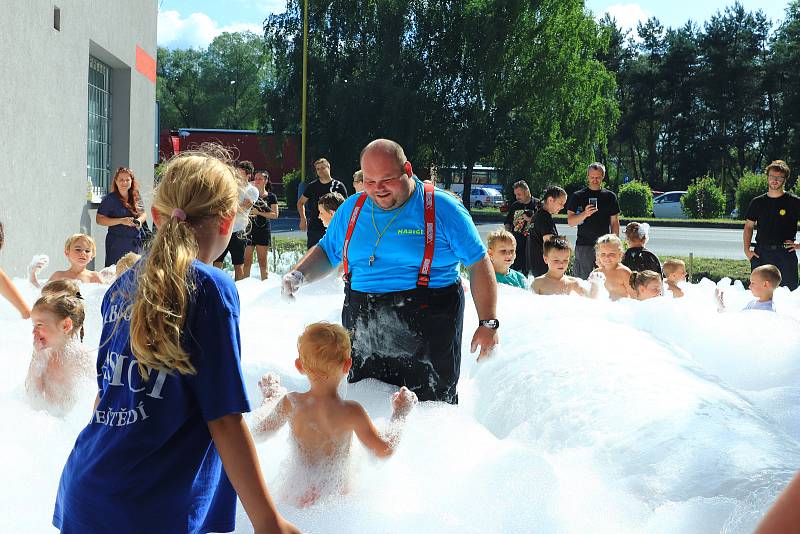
(749, 187)
(636, 199)
(291, 181)
(704, 200)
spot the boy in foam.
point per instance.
(646, 284)
(323, 423)
(502, 252)
(608, 251)
(557, 251)
(675, 273)
(763, 282)
(327, 205)
(79, 250)
(59, 362)
(637, 257)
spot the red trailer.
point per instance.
(262, 149)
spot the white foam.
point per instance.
(655, 416)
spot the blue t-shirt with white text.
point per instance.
(399, 254)
(146, 461)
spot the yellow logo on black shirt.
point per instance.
(782, 213)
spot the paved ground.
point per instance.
(702, 242)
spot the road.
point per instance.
(664, 241)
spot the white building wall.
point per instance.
(44, 117)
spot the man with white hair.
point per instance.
(400, 243)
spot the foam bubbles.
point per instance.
(654, 416)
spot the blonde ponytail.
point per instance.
(203, 188)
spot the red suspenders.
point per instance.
(424, 276)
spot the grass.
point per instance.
(290, 249)
(494, 212)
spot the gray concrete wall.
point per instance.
(44, 117)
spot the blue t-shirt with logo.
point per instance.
(146, 461)
(399, 254)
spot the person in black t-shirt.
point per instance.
(259, 238)
(637, 258)
(543, 228)
(595, 211)
(775, 215)
(307, 203)
(518, 221)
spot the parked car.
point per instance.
(668, 205)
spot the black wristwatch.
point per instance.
(494, 324)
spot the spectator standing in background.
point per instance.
(518, 222)
(309, 200)
(595, 211)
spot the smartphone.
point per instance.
(593, 202)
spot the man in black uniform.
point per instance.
(518, 222)
(775, 215)
(310, 198)
(595, 211)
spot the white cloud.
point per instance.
(628, 15)
(195, 31)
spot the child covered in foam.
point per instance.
(608, 251)
(59, 362)
(556, 281)
(79, 249)
(322, 423)
(764, 280)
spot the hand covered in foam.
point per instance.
(291, 282)
(38, 262)
(108, 275)
(596, 277)
(271, 387)
(403, 402)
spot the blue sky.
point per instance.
(194, 23)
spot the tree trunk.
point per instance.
(466, 193)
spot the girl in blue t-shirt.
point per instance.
(167, 449)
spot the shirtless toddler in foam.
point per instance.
(608, 251)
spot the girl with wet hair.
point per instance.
(646, 284)
(60, 362)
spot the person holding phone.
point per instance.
(776, 213)
(595, 211)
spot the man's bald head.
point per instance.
(385, 148)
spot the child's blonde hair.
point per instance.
(358, 176)
(323, 348)
(608, 239)
(203, 187)
(77, 237)
(672, 265)
(331, 201)
(126, 262)
(500, 235)
(64, 301)
(770, 274)
(642, 278)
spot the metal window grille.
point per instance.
(99, 126)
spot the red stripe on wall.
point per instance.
(145, 64)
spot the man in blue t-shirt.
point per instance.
(405, 330)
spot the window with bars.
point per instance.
(99, 127)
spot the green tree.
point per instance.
(217, 87)
(750, 186)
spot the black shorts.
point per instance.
(236, 248)
(259, 236)
(313, 236)
(408, 338)
(784, 260)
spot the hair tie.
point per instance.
(179, 214)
